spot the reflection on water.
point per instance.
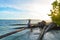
(17, 36)
(52, 35)
(25, 34)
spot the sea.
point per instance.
(6, 27)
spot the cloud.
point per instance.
(14, 15)
(15, 1)
(11, 9)
(15, 9)
(24, 8)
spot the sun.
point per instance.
(41, 12)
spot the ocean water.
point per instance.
(6, 27)
(8, 22)
(25, 34)
(52, 35)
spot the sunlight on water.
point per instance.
(25, 34)
(16, 36)
(52, 35)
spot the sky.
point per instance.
(25, 9)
